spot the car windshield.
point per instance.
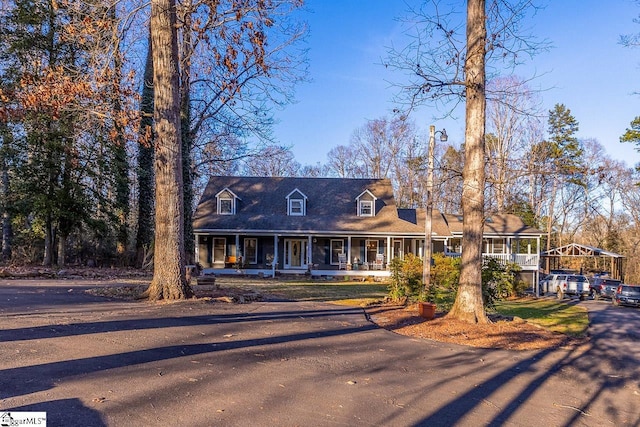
(577, 279)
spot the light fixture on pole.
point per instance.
(428, 247)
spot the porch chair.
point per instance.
(342, 261)
(378, 264)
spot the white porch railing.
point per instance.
(523, 260)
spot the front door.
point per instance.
(295, 253)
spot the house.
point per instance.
(332, 227)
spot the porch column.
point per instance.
(537, 276)
(348, 250)
(238, 251)
(196, 252)
(309, 253)
(275, 255)
(388, 252)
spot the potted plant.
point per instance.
(427, 310)
(426, 304)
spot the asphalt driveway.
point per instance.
(90, 361)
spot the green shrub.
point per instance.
(406, 278)
(498, 281)
(445, 276)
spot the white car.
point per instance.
(550, 283)
(574, 285)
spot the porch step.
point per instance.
(206, 280)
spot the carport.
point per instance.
(603, 260)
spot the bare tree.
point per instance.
(274, 161)
(341, 161)
(237, 63)
(511, 110)
(440, 68)
(448, 180)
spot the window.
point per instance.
(499, 246)
(366, 208)
(337, 248)
(296, 203)
(251, 251)
(225, 206)
(226, 201)
(366, 204)
(296, 207)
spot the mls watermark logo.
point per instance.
(11, 419)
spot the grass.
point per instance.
(554, 315)
(341, 292)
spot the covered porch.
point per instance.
(342, 255)
(316, 255)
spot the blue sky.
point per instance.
(587, 70)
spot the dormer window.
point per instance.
(226, 202)
(226, 206)
(296, 203)
(366, 208)
(366, 204)
(296, 207)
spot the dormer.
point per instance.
(366, 203)
(296, 203)
(227, 202)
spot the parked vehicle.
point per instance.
(574, 285)
(627, 295)
(600, 287)
(550, 283)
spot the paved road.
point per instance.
(90, 361)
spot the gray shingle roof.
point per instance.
(331, 208)
(498, 225)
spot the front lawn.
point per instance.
(552, 314)
(344, 292)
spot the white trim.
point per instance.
(362, 203)
(213, 250)
(232, 198)
(291, 211)
(291, 200)
(289, 247)
(361, 206)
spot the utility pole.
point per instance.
(428, 219)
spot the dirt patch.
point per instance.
(504, 333)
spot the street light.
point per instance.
(428, 247)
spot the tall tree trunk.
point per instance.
(144, 235)
(49, 237)
(4, 204)
(169, 278)
(187, 143)
(469, 305)
(62, 254)
(119, 151)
